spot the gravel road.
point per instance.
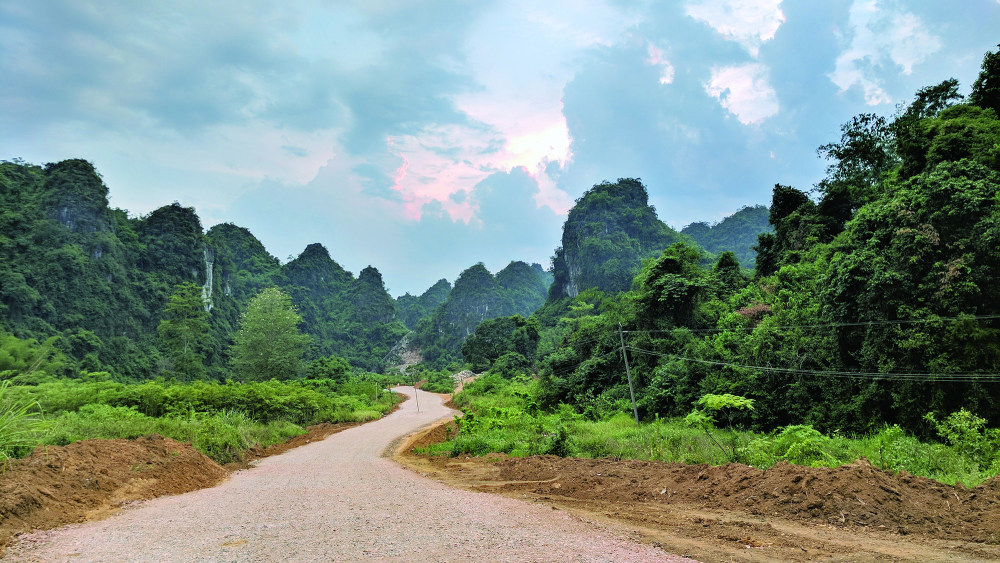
(338, 500)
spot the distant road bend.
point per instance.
(339, 500)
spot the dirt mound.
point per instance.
(89, 480)
(737, 512)
(852, 495)
(85, 480)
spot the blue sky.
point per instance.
(423, 137)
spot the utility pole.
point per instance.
(628, 374)
(416, 393)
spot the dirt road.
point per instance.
(338, 500)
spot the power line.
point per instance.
(967, 377)
(585, 360)
(828, 325)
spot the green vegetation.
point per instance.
(609, 232)
(502, 415)
(737, 233)
(268, 344)
(19, 424)
(411, 309)
(435, 381)
(184, 329)
(102, 283)
(478, 296)
(870, 326)
(222, 420)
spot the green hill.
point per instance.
(607, 235)
(737, 233)
(477, 296)
(95, 281)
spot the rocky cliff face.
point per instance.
(608, 233)
(75, 196)
(72, 267)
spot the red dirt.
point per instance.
(57, 485)
(91, 479)
(789, 512)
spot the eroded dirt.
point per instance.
(58, 485)
(793, 513)
(726, 513)
(90, 480)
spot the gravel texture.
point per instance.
(338, 500)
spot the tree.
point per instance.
(184, 330)
(986, 89)
(268, 344)
(334, 368)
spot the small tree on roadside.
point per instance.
(268, 344)
(709, 404)
(184, 329)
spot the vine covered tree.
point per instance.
(184, 330)
(268, 344)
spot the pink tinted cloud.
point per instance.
(658, 59)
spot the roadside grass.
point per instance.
(501, 416)
(222, 420)
(19, 425)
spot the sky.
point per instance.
(424, 137)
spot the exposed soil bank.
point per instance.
(854, 512)
(91, 479)
(339, 499)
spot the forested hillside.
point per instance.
(478, 295)
(411, 308)
(609, 232)
(93, 283)
(875, 303)
(736, 233)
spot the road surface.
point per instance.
(338, 499)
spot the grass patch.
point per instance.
(502, 416)
(222, 420)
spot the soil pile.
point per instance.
(89, 480)
(789, 512)
(852, 495)
(85, 480)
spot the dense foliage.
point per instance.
(411, 309)
(502, 415)
(874, 304)
(223, 420)
(609, 232)
(478, 296)
(736, 233)
(269, 344)
(98, 285)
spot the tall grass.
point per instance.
(501, 417)
(19, 425)
(222, 420)
(224, 437)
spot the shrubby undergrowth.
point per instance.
(503, 415)
(222, 420)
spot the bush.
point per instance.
(510, 365)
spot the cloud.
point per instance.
(744, 91)
(391, 130)
(749, 23)
(657, 59)
(881, 39)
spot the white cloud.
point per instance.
(881, 38)
(744, 90)
(658, 59)
(749, 23)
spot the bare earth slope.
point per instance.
(338, 499)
